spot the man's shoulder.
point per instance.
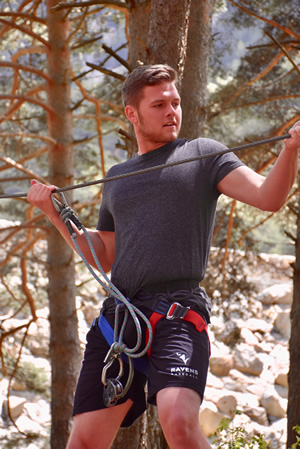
(120, 168)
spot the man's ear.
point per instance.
(131, 114)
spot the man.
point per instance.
(154, 233)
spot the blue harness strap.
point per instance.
(141, 364)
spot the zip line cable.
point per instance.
(158, 167)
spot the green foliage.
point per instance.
(227, 436)
(297, 443)
(35, 378)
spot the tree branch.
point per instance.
(106, 71)
(23, 169)
(271, 22)
(65, 5)
(47, 139)
(23, 15)
(283, 50)
(263, 101)
(24, 98)
(86, 42)
(25, 31)
(25, 68)
(111, 52)
(249, 83)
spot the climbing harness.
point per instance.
(113, 388)
(158, 167)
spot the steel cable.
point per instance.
(157, 167)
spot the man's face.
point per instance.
(158, 116)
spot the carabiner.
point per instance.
(57, 204)
(111, 356)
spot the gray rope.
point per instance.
(158, 167)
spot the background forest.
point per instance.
(62, 122)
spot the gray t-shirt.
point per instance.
(163, 220)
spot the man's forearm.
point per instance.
(279, 181)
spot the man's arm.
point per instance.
(39, 195)
(266, 193)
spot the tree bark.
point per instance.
(294, 348)
(139, 13)
(64, 341)
(194, 85)
(168, 30)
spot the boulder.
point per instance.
(221, 365)
(273, 403)
(16, 407)
(209, 418)
(247, 361)
(282, 378)
(227, 404)
(258, 325)
(283, 322)
(257, 414)
(277, 294)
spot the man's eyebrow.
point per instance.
(162, 100)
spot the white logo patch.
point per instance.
(182, 357)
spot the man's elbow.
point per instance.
(272, 206)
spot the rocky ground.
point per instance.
(250, 358)
(248, 368)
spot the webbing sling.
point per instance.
(140, 364)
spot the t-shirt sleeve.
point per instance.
(222, 164)
(225, 164)
(105, 218)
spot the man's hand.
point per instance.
(39, 195)
(293, 143)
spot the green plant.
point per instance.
(297, 444)
(229, 437)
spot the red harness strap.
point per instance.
(176, 310)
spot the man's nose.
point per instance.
(171, 110)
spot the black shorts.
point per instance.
(179, 358)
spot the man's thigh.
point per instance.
(97, 429)
(179, 358)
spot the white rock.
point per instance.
(209, 418)
(247, 361)
(273, 403)
(282, 378)
(283, 323)
(277, 294)
(214, 381)
(227, 404)
(16, 406)
(257, 414)
(258, 325)
(221, 365)
(248, 337)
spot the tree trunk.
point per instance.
(168, 30)
(139, 13)
(294, 348)
(194, 85)
(64, 341)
